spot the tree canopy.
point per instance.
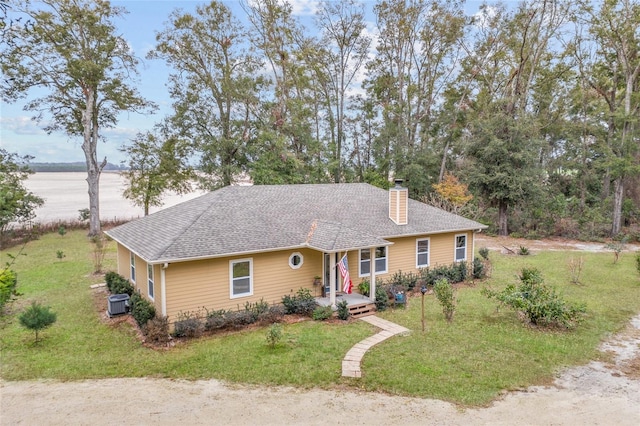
(532, 105)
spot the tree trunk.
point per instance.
(618, 195)
(89, 146)
(503, 229)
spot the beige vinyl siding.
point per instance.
(401, 256)
(123, 261)
(393, 203)
(398, 205)
(141, 283)
(191, 286)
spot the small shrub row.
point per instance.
(194, 323)
(302, 303)
(454, 273)
(117, 284)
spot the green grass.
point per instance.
(469, 361)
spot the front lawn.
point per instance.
(469, 361)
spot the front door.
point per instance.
(327, 273)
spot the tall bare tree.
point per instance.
(71, 51)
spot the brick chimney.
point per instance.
(398, 203)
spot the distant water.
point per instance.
(67, 193)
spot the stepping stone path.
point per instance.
(351, 361)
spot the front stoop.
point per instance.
(362, 310)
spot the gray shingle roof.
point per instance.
(245, 219)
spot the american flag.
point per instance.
(344, 272)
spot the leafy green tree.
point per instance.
(215, 87)
(17, 204)
(37, 317)
(607, 49)
(157, 163)
(417, 57)
(510, 51)
(285, 126)
(72, 54)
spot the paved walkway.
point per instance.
(351, 361)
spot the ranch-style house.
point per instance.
(242, 244)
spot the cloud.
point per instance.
(304, 7)
(21, 125)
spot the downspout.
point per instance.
(163, 289)
(372, 274)
(332, 280)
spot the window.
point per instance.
(461, 248)
(422, 253)
(132, 259)
(296, 260)
(241, 277)
(365, 261)
(150, 280)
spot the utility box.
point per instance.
(118, 304)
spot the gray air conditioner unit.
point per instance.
(118, 304)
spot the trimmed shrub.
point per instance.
(141, 309)
(188, 324)
(215, 320)
(343, 310)
(239, 318)
(446, 296)
(156, 330)
(403, 281)
(454, 273)
(302, 303)
(256, 309)
(382, 298)
(484, 253)
(322, 313)
(275, 313)
(8, 285)
(538, 303)
(117, 284)
(478, 269)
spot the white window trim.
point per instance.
(150, 282)
(132, 266)
(233, 262)
(298, 266)
(386, 262)
(455, 247)
(418, 265)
